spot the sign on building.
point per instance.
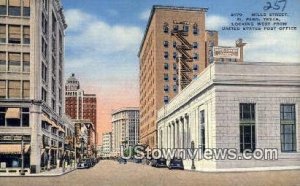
(226, 52)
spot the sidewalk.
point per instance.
(52, 172)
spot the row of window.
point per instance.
(14, 34)
(15, 8)
(166, 55)
(14, 89)
(248, 127)
(166, 66)
(184, 28)
(166, 88)
(15, 62)
(166, 44)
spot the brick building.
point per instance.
(80, 106)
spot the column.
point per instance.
(183, 132)
(175, 134)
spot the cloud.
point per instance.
(215, 22)
(145, 15)
(104, 58)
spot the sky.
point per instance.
(103, 38)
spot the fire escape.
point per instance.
(184, 70)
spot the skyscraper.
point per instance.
(172, 53)
(80, 106)
(31, 86)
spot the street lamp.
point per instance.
(193, 149)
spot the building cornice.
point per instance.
(155, 7)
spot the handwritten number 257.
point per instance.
(276, 5)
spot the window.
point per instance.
(166, 28)
(196, 56)
(25, 117)
(2, 33)
(26, 89)
(175, 28)
(2, 116)
(195, 45)
(211, 43)
(185, 28)
(174, 55)
(44, 48)
(26, 62)
(14, 64)
(166, 77)
(26, 8)
(44, 95)
(14, 34)
(166, 88)
(175, 88)
(166, 66)
(14, 89)
(166, 55)
(202, 131)
(174, 66)
(195, 29)
(288, 127)
(166, 44)
(166, 99)
(2, 61)
(53, 104)
(44, 73)
(3, 7)
(44, 24)
(14, 7)
(175, 77)
(26, 35)
(195, 67)
(174, 44)
(2, 89)
(247, 127)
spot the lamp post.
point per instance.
(193, 161)
(22, 173)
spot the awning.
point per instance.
(13, 148)
(13, 113)
(46, 119)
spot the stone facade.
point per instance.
(32, 67)
(219, 92)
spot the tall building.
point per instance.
(172, 53)
(80, 106)
(31, 84)
(107, 143)
(125, 128)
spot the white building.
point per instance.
(107, 144)
(31, 86)
(238, 106)
(125, 128)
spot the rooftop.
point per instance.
(155, 7)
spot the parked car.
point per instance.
(161, 162)
(121, 160)
(176, 163)
(84, 164)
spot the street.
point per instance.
(113, 173)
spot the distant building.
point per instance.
(237, 106)
(31, 84)
(107, 144)
(80, 106)
(125, 128)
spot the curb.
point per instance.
(40, 175)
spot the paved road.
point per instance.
(112, 173)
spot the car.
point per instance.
(84, 164)
(122, 160)
(176, 163)
(161, 162)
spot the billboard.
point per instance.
(226, 52)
